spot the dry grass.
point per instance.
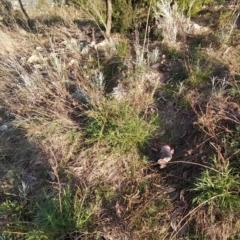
(171, 20)
(47, 90)
(9, 42)
(69, 148)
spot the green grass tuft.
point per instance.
(119, 125)
(218, 190)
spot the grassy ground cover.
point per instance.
(83, 120)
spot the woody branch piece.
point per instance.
(109, 19)
(29, 20)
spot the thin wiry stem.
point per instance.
(198, 164)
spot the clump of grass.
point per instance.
(50, 217)
(233, 143)
(171, 20)
(43, 105)
(55, 216)
(119, 125)
(199, 69)
(227, 24)
(218, 190)
(216, 198)
(219, 86)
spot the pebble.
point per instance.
(3, 128)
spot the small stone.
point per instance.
(22, 32)
(65, 43)
(82, 45)
(3, 128)
(79, 96)
(34, 59)
(39, 48)
(195, 29)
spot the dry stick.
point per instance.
(191, 212)
(233, 154)
(23, 9)
(19, 233)
(29, 20)
(109, 19)
(146, 30)
(145, 37)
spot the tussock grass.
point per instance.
(119, 126)
(171, 20)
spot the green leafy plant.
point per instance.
(218, 189)
(125, 14)
(129, 14)
(55, 216)
(199, 70)
(58, 215)
(119, 125)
